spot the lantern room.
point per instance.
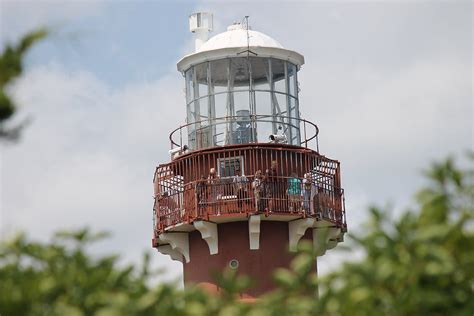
(241, 87)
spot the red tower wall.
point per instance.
(234, 244)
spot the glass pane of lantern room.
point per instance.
(190, 115)
(190, 110)
(279, 99)
(293, 105)
(218, 86)
(201, 78)
(218, 79)
(261, 79)
(239, 87)
(200, 91)
(278, 75)
(261, 86)
(292, 82)
(260, 73)
(240, 74)
(204, 136)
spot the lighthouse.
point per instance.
(245, 181)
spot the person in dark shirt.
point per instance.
(240, 187)
(201, 194)
(258, 191)
(214, 189)
(307, 185)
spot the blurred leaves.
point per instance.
(417, 264)
(11, 66)
(420, 263)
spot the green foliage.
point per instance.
(11, 66)
(419, 263)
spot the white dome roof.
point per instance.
(236, 36)
(233, 42)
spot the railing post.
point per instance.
(196, 202)
(344, 209)
(305, 138)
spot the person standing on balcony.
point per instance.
(269, 189)
(258, 189)
(201, 195)
(213, 182)
(307, 192)
(240, 187)
(276, 187)
(294, 192)
(325, 202)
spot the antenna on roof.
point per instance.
(247, 28)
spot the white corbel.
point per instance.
(208, 232)
(167, 250)
(178, 242)
(296, 230)
(325, 238)
(254, 232)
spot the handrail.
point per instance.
(252, 118)
(202, 199)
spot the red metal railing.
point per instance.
(226, 197)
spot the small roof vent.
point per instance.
(201, 23)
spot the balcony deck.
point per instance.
(183, 195)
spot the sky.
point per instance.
(389, 83)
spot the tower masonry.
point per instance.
(246, 180)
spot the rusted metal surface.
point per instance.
(277, 180)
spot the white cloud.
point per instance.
(388, 99)
(389, 86)
(88, 157)
(19, 17)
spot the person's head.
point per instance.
(307, 175)
(274, 165)
(238, 172)
(203, 177)
(258, 174)
(267, 172)
(212, 172)
(294, 175)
